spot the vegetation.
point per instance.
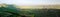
(9, 12)
(12, 11)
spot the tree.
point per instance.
(9, 12)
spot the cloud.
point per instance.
(30, 2)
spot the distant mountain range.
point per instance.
(51, 6)
(56, 6)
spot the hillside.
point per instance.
(40, 7)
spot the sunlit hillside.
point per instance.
(40, 7)
(30, 7)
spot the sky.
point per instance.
(30, 2)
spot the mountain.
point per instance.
(56, 6)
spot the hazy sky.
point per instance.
(30, 2)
